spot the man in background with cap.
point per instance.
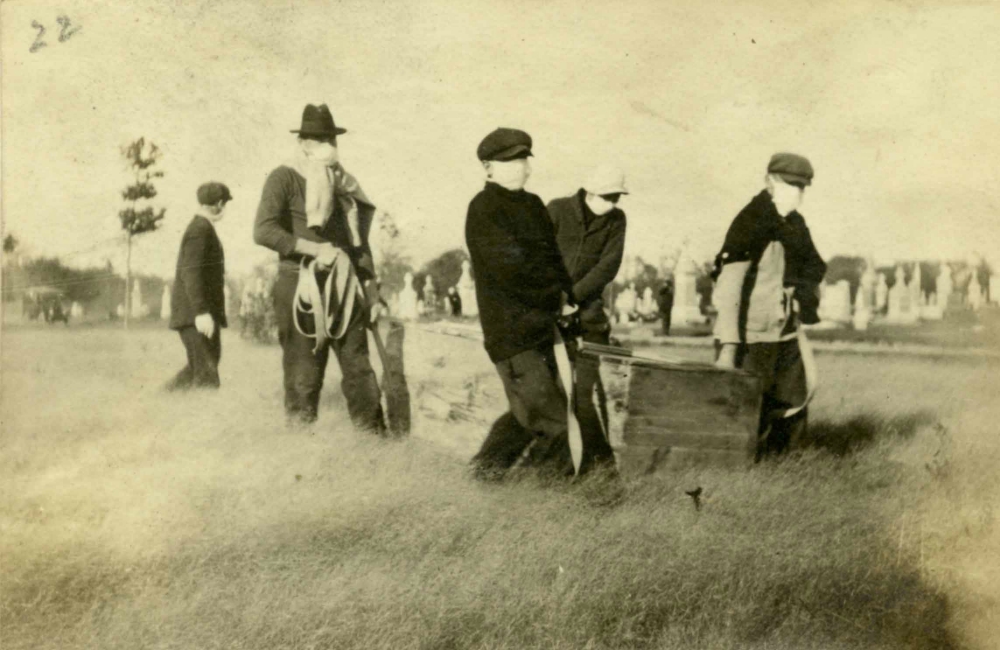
(767, 284)
(198, 301)
(310, 210)
(590, 232)
(521, 287)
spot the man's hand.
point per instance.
(205, 325)
(377, 311)
(326, 255)
(727, 357)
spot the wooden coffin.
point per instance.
(664, 414)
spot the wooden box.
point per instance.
(664, 414)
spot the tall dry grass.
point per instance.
(134, 519)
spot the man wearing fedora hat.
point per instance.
(314, 214)
(590, 231)
(767, 280)
(521, 285)
(197, 299)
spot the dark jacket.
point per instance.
(281, 219)
(199, 282)
(751, 241)
(518, 271)
(591, 246)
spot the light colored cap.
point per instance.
(606, 179)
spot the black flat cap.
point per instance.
(791, 167)
(505, 144)
(212, 193)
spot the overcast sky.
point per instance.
(897, 104)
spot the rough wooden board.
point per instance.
(668, 415)
(647, 460)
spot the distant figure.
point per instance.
(767, 264)
(666, 299)
(198, 305)
(454, 302)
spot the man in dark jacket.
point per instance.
(197, 301)
(311, 209)
(521, 286)
(590, 232)
(767, 280)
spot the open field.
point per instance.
(135, 519)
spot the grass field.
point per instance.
(135, 519)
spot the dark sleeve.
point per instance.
(534, 275)
(745, 234)
(809, 266)
(592, 284)
(267, 228)
(191, 267)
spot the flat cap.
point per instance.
(791, 167)
(504, 144)
(212, 193)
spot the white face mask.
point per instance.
(511, 174)
(787, 198)
(599, 205)
(323, 152)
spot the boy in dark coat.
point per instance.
(521, 286)
(197, 301)
(767, 279)
(590, 232)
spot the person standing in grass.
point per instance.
(312, 209)
(521, 286)
(767, 285)
(197, 301)
(590, 232)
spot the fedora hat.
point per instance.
(317, 120)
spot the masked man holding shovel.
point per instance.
(316, 217)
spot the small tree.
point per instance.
(140, 158)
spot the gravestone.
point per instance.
(899, 299)
(647, 306)
(165, 302)
(76, 310)
(625, 305)
(862, 312)
(836, 302)
(408, 300)
(137, 306)
(881, 294)
(867, 287)
(467, 291)
(430, 297)
(945, 286)
(687, 302)
(931, 308)
(916, 294)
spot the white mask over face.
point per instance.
(787, 198)
(321, 152)
(599, 205)
(511, 174)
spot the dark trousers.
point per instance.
(591, 407)
(783, 378)
(537, 418)
(304, 370)
(203, 356)
(666, 307)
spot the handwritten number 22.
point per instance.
(64, 34)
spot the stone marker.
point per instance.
(165, 302)
(467, 291)
(408, 300)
